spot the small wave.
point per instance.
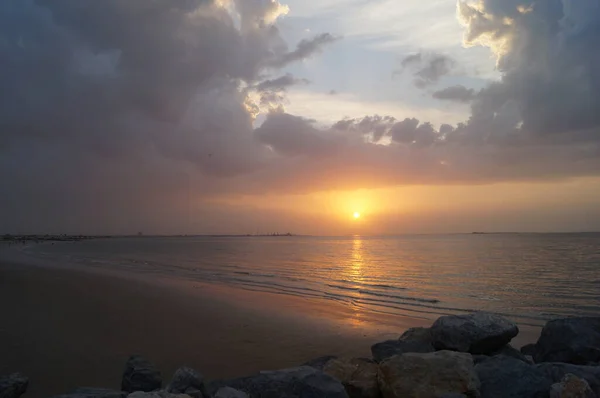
(254, 274)
(386, 286)
(354, 289)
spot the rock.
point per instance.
(88, 392)
(187, 381)
(422, 335)
(140, 375)
(156, 394)
(301, 382)
(507, 377)
(228, 392)
(387, 349)
(480, 358)
(512, 352)
(358, 376)
(430, 375)
(571, 340)
(528, 349)
(453, 395)
(571, 386)
(319, 363)
(13, 386)
(477, 333)
(557, 371)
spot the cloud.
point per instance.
(272, 91)
(427, 69)
(306, 48)
(545, 51)
(280, 83)
(113, 111)
(456, 93)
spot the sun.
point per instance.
(356, 215)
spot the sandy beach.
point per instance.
(65, 328)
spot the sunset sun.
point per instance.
(356, 215)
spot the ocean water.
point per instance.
(529, 277)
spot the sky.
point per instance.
(260, 116)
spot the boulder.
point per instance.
(88, 392)
(571, 386)
(303, 381)
(228, 392)
(422, 335)
(512, 352)
(477, 333)
(507, 377)
(429, 375)
(528, 349)
(387, 349)
(571, 340)
(187, 381)
(156, 394)
(319, 363)
(557, 371)
(13, 386)
(140, 375)
(359, 376)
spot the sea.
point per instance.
(531, 278)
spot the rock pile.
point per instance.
(458, 356)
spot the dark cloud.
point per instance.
(551, 75)
(305, 49)
(280, 83)
(372, 127)
(455, 93)
(272, 91)
(427, 69)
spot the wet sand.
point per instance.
(65, 328)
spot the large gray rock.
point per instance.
(512, 352)
(156, 394)
(528, 349)
(477, 333)
(505, 377)
(430, 375)
(571, 386)
(358, 375)
(228, 392)
(301, 382)
(13, 386)
(571, 340)
(422, 335)
(187, 381)
(557, 371)
(387, 349)
(508, 351)
(140, 375)
(320, 362)
(89, 392)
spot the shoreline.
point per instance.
(68, 327)
(314, 308)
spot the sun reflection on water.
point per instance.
(355, 274)
(357, 259)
